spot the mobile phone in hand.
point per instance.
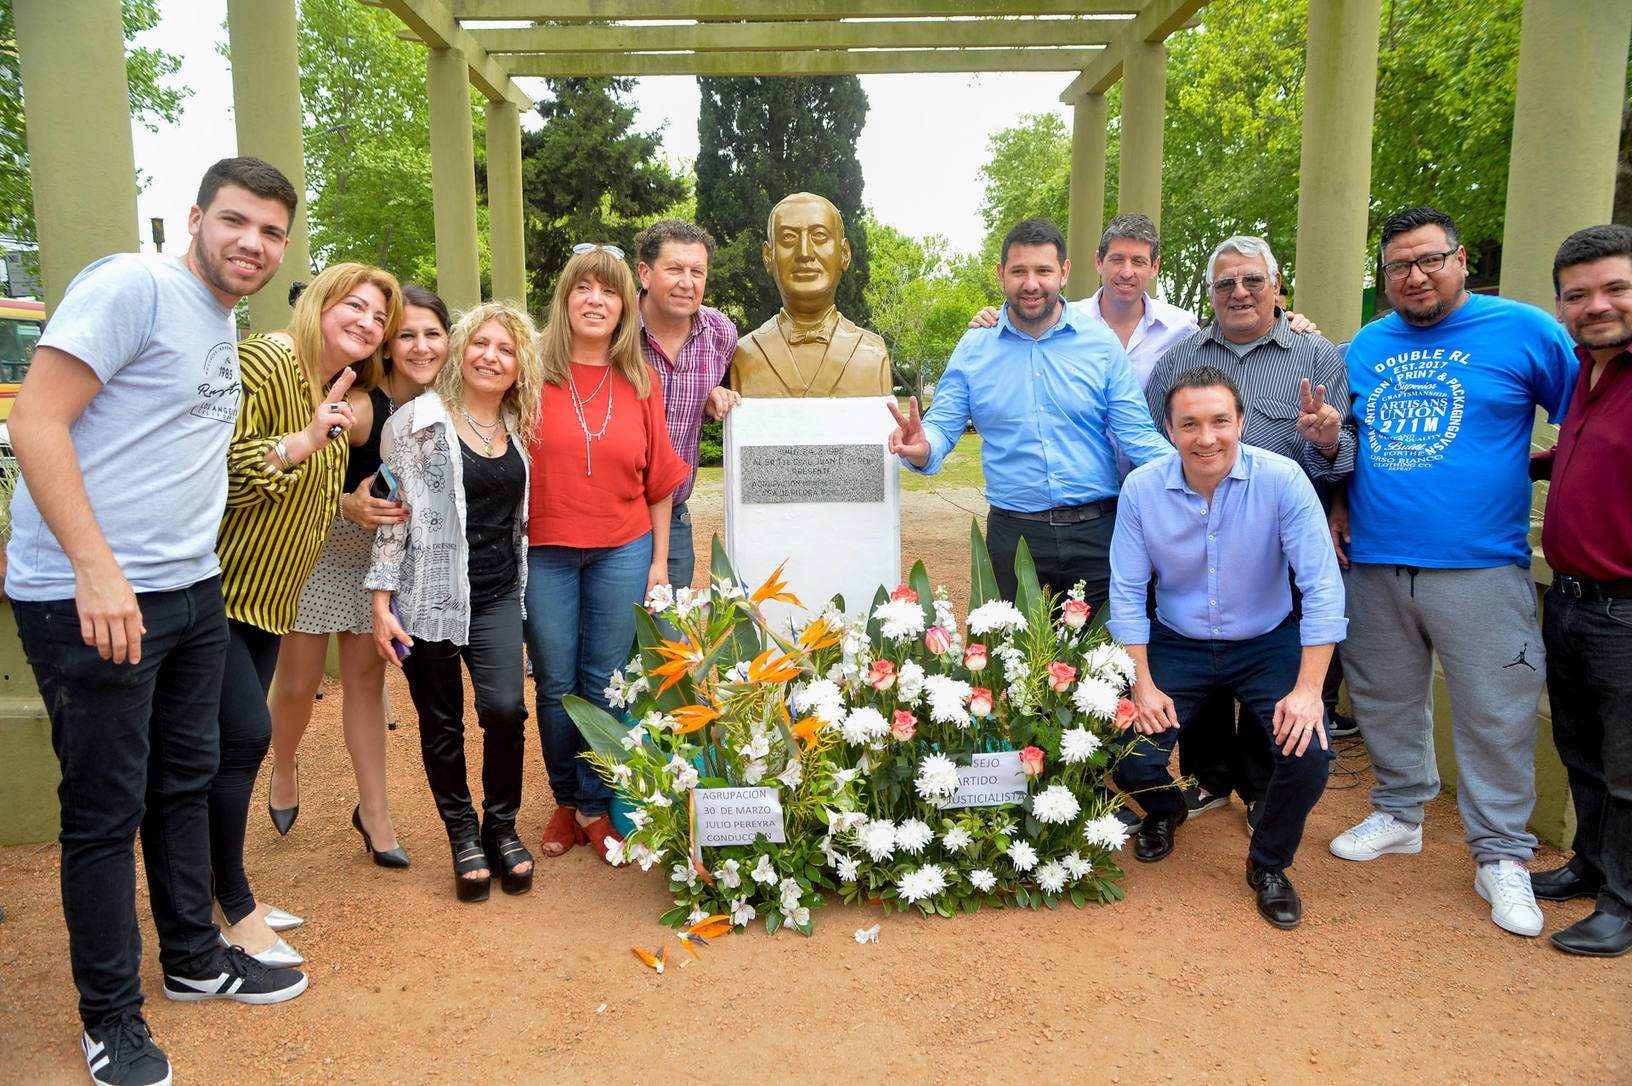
(384, 484)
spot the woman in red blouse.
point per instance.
(603, 478)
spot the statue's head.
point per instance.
(806, 251)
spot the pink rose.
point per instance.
(1074, 614)
(1031, 760)
(974, 657)
(980, 701)
(905, 725)
(1061, 676)
(882, 675)
(902, 592)
(1126, 713)
(937, 640)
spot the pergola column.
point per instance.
(506, 239)
(453, 179)
(266, 88)
(1088, 121)
(1334, 173)
(1566, 128)
(1144, 116)
(81, 163)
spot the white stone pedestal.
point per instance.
(810, 482)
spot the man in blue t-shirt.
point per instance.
(1436, 529)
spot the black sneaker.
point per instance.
(121, 1052)
(1198, 802)
(1339, 726)
(1255, 811)
(238, 977)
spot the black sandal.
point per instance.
(505, 852)
(468, 856)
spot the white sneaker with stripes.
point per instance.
(240, 978)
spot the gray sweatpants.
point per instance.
(1483, 625)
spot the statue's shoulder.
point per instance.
(752, 344)
(868, 338)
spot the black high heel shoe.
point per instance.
(468, 856)
(283, 818)
(505, 853)
(395, 857)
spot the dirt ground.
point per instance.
(1397, 974)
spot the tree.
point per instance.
(587, 177)
(152, 100)
(1028, 176)
(761, 139)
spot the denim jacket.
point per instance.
(425, 559)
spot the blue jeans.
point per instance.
(580, 627)
(682, 552)
(138, 745)
(1589, 681)
(1258, 672)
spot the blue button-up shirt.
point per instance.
(1043, 407)
(1221, 569)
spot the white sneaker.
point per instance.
(1379, 835)
(1506, 885)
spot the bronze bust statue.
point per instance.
(809, 348)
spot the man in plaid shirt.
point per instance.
(690, 346)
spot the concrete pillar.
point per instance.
(506, 237)
(1566, 126)
(1334, 174)
(267, 110)
(1144, 115)
(1087, 194)
(453, 179)
(80, 160)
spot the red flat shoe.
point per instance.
(598, 834)
(561, 833)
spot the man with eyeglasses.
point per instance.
(1295, 387)
(1436, 533)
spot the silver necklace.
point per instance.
(487, 438)
(578, 405)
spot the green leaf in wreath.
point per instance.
(875, 627)
(918, 581)
(773, 920)
(1028, 589)
(982, 577)
(601, 730)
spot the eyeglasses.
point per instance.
(1428, 262)
(589, 247)
(1254, 283)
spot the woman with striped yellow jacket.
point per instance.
(285, 470)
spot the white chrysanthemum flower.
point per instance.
(741, 911)
(1077, 745)
(1052, 877)
(982, 880)
(925, 882)
(848, 868)
(1110, 662)
(1055, 805)
(821, 698)
(763, 871)
(948, 700)
(999, 615)
(937, 777)
(956, 839)
(792, 775)
(912, 835)
(863, 725)
(1077, 866)
(877, 839)
(1097, 698)
(753, 772)
(1022, 855)
(899, 620)
(1106, 831)
(729, 874)
(660, 598)
(909, 682)
(683, 873)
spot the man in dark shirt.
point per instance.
(1587, 620)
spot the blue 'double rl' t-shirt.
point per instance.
(1441, 479)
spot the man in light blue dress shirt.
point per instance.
(1220, 525)
(1047, 389)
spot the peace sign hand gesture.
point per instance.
(908, 439)
(1318, 421)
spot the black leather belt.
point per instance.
(1580, 588)
(1065, 514)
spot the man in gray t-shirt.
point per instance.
(121, 431)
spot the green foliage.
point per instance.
(1028, 176)
(711, 447)
(760, 140)
(152, 100)
(587, 177)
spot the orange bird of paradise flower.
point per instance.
(772, 590)
(655, 961)
(690, 718)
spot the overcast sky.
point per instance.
(921, 150)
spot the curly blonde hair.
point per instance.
(521, 400)
(327, 290)
(624, 352)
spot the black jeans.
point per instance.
(138, 746)
(1258, 672)
(1225, 757)
(246, 733)
(1063, 554)
(1589, 682)
(493, 656)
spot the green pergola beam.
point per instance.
(833, 62)
(436, 26)
(1159, 20)
(614, 10)
(737, 37)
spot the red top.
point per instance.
(1588, 527)
(602, 499)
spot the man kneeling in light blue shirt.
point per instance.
(1220, 525)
